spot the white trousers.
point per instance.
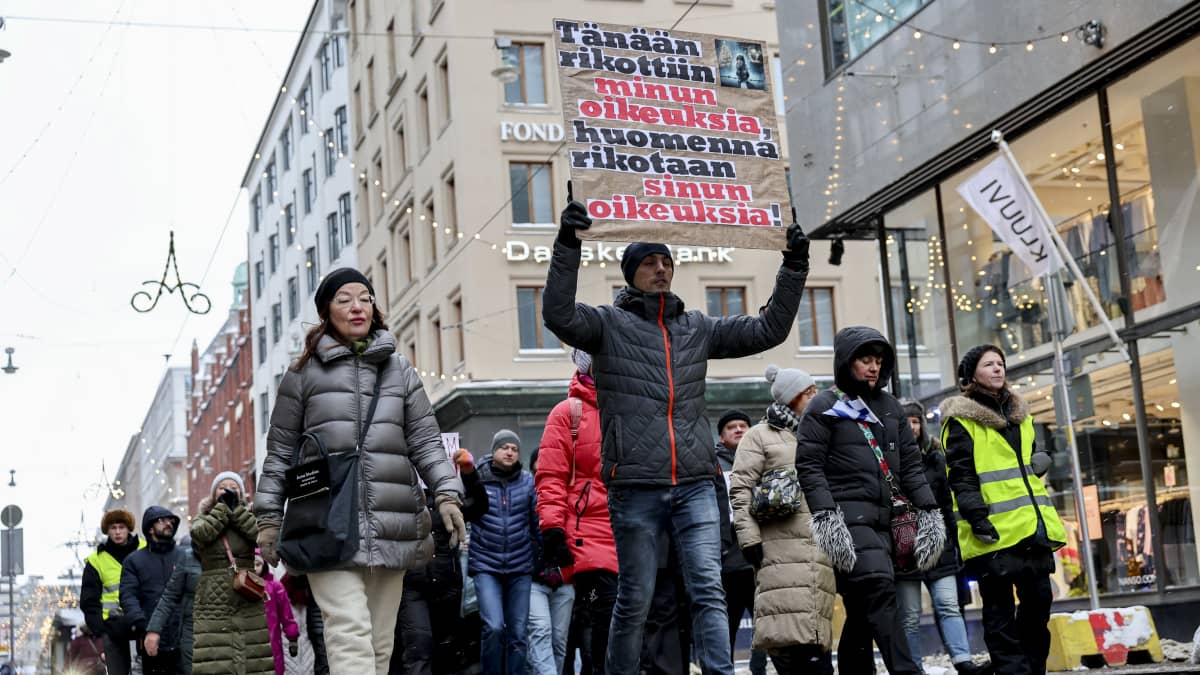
(360, 607)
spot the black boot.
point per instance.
(970, 668)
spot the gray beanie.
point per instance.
(232, 476)
(505, 436)
(787, 383)
(582, 361)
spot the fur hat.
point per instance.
(970, 361)
(116, 516)
(787, 383)
(505, 436)
(729, 416)
(634, 255)
(912, 408)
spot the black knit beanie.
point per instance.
(729, 416)
(335, 280)
(970, 361)
(634, 255)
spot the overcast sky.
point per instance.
(139, 130)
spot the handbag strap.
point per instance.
(871, 441)
(362, 434)
(229, 554)
(576, 407)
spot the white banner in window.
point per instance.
(1000, 198)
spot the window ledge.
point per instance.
(536, 227)
(397, 81)
(417, 40)
(541, 108)
(371, 121)
(445, 126)
(437, 9)
(540, 356)
(814, 350)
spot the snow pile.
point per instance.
(1127, 626)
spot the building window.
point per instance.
(262, 345)
(530, 85)
(401, 147)
(343, 133)
(285, 145)
(443, 85)
(264, 405)
(534, 334)
(339, 52)
(330, 153)
(289, 222)
(385, 280)
(459, 355)
(310, 191)
(344, 216)
(726, 300)
(335, 239)
(450, 209)
(429, 218)
(404, 252)
(327, 64)
(274, 250)
(256, 209)
(304, 100)
(423, 119)
(851, 27)
(293, 286)
(272, 183)
(391, 49)
(371, 87)
(312, 267)
(276, 322)
(437, 345)
(380, 190)
(358, 108)
(260, 279)
(531, 202)
(818, 324)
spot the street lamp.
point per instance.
(9, 368)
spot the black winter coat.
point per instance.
(444, 572)
(838, 468)
(650, 359)
(732, 559)
(144, 576)
(933, 458)
(503, 539)
(92, 588)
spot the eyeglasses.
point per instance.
(344, 301)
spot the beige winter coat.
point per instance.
(793, 603)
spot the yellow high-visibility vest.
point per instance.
(110, 580)
(1014, 494)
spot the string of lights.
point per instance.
(956, 43)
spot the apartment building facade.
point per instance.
(460, 177)
(300, 193)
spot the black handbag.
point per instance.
(320, 518)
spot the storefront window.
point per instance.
(1155, 121)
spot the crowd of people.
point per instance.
(630, 544)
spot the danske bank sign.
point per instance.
(520, 251)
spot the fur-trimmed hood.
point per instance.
(971, 409)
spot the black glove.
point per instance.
(555, 551)
(228, 498)
(795, 258)
(984, 531)
(753, 555)
(574, 217)
(1041, 462)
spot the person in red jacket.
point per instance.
(572, 505)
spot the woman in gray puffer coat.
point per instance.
(328, 392)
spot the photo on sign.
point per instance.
(741, 64)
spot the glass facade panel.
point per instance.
(851, 26)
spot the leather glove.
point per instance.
(574, 217)
(464, 460)
(831, 535)
(555, 551)
(1041, 462)
(293, 648)
(984, 531)
(753, 555)
(452, 520)
(268, 534)
(795, 257)
(229, 498)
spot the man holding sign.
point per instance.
(650, 358)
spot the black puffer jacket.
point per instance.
(144, 576)
(933, 458)
(650, 359)
(838, 468)
(444, 572)
(732, 559)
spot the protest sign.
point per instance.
(671, 136)
(451, 441)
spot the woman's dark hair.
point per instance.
(313, 338)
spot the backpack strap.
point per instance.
(576, 407)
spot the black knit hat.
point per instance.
(970, 361)
(634, 255)
(912, 408)
(335, 280)
(729, 416)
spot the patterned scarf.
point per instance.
(782, 417)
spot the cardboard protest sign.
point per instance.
(671, 136)
(451, 441)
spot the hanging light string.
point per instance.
(993, 45)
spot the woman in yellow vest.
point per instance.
(1008, 529)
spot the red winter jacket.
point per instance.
(580, 509)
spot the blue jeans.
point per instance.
(944, 593)
(504, 612)
(549, 623)
(642, 519)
